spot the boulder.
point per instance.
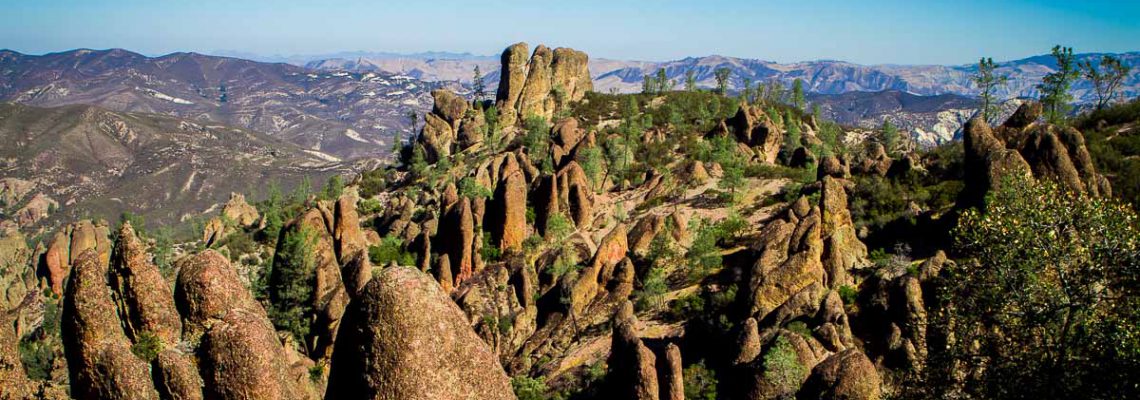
(406, 339)
(843, 251)
(672, 380)
(846, 375)
(986, 161)
(146, 300)
(789, 262)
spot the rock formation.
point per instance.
(542, 86)
(405, 339)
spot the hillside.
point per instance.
(342, 115)
(96, 163)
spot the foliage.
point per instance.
(798, 94)
(1046, 295)
(691, 80)
(488, 252)
(478, 84)
(1116, 154)
(721, 75)
(290, 284)
(527, 388)
(732, 163)
(1055, 86)
(848, 294)
(373, 182)
(700, 382)
(792, 139)
(590, 159)
(662, 253)
(891, 137)
(370, 206)
(704, 254)
(987, 81)
(334, 187)
(390, 249)
(1106, 79)
(147, 346)
(37, 356)
(782, 367)
(469, 187)
(537, 142)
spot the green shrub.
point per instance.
(390, 249)
(700, 382)
(147, 346)
(370, 206)
(848, 294)
(799, 328)
(782, 367)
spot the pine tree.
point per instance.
(1055, 86)
(663, 82)
(721, 75)
(1106, 79)
(690, 81)
(480, 86)
(798, 94)
(987, 81)
(890, 136)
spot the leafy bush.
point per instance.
(390, 249)
(848, 294)
(700, 382)
(782, 367)
(468, 187)
(1045, 296)
(527, 388)
(370, 206)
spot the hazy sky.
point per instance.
(864, 31)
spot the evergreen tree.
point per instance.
(690, 81)
(890, 136)
(480, 86)
(987, 81)
(1055, 86)
(414, 118)
(721, 75)
(291, 283)
(746, 92)
(792, 139)
(1107, 79)
(648, 84)
(798, 94)
(663, 82)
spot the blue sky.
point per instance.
(863, 31)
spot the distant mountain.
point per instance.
(339, 114)
(95, 162)
(825, 76)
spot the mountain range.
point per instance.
(336, 115)
(822, 77)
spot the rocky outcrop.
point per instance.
(69, 243)
(98, 352)
(35, 210)
(456, 241)
(239, 356)
(240, 212)
(542, 86)
(632, 366)
(843, 251)
(512, 78)
(405, 339)
(790, 259)
(1022, 146)
(846, 375)
(752, 127)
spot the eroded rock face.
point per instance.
(98, 352)
(790, 252)
(548, 82)
(752, 127)
(69, 243)
(147, 301)
(843, 251)
(512, 78)
(632, 366)
(1024, 146)
(845, 375)
(239, 356)
(240, 212)
(405, 339)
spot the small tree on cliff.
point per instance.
(479, 85)
(1055, 86)
(291, 283)
(987, 81)
(798, 100)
